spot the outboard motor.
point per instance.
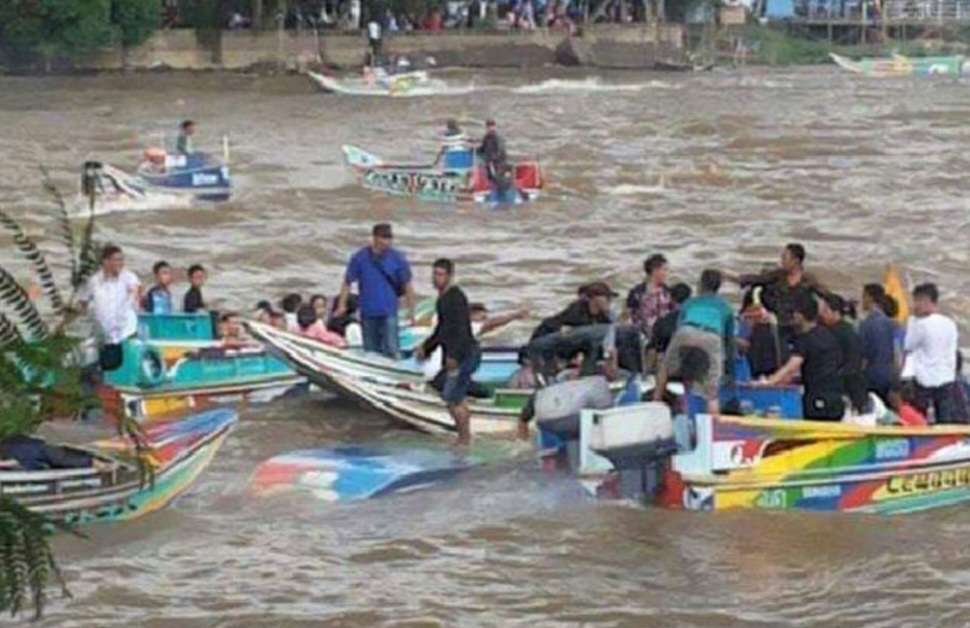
(639, 442)
(557, 410)
(91, 178)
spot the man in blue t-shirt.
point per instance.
(382, 275)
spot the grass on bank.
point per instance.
(775, 45)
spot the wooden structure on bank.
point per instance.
(843, 19)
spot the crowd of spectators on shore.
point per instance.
(355, 15)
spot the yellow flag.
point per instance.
(896, 288)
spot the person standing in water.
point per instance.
(461, 351)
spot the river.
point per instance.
(715, 169)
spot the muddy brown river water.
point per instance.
(716, 169)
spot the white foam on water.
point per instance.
(592, 84)
(631, 189)
(80, 207)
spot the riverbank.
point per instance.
(765, 45)
(600, 46)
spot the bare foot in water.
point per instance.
(523, 430)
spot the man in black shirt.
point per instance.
(784, 286)
(555, 336)
(850, 344)
(461, 352)
(816, 357)
(193, 301)
(492, 150)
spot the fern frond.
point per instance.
(30, 251)
(15, 297)
(9, 334)
(26, 560)
(63, 219)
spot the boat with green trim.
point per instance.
(145, 386)
(702, 462)
(118, 490)
(399, 388)
(899, 65)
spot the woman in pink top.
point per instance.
(312, 327)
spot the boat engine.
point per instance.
(557, 410)
(91, 178)
(639, 441)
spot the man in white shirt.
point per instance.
(112, 295)
(374, 39)
(931, 358)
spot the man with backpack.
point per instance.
(383, 276)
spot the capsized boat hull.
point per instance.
(181, 452)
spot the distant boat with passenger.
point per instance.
(380, 83)
(899, 65)
(457, 176)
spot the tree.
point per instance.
(135, 20)
(54, 28)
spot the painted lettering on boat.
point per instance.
(773, 499)
(928, 482)
(201, 178)
(892, 449)
(401, 182)
(822, 492)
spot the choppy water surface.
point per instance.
(716, 169)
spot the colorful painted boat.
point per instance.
(402, 84)
(146, 387)
(398, 387)
(462, 180)
(181, 451)
(731, 462)
(899, 65)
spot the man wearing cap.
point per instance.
(706, 323)
(492, 150)
(383, 276)
(555, 336)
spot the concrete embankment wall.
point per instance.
(625, 46)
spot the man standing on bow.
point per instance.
(492, 150)
(383, 276)
(112, 295)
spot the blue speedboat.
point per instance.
(199, 175)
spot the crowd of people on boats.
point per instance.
(790, 329)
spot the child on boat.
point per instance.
(311, 326)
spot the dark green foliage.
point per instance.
(136, 20)
(26, 560)
(68, 29)
(55, 28)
